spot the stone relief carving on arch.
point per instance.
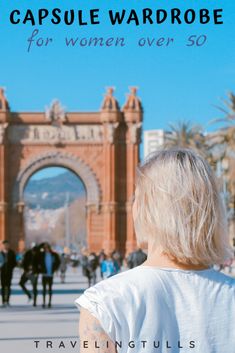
(2, 131)
(66, 160)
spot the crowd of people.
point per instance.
(40, 259)
(43, 260)
(108, 264)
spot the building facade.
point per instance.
(154, 140)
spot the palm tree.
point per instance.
(224, 140)
(225, 137)
(185, 134)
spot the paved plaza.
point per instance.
(22, 324)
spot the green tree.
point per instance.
(225, 136)
(223, 140)
(185, 134)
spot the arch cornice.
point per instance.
(67, 160)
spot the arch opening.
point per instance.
(55, 209)
(49, 164)
(58, 159)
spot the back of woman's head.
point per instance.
(178, 207)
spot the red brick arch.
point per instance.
(102, 148)
(60, 159)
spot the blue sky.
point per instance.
(48, 172)
(174, 82)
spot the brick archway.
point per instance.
(68, 161)
(102, 148)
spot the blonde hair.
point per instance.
(179, 207)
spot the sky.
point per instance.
(175, 82)
(48, 172)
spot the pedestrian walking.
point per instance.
(109, 267)
(101, 257)
(74, 260)
(136, 258)
(117, 257)
(63, 267)
(30, 264)
(8, 262)
(89, 264)
(84, 261)
(49, 264)
(92, 265)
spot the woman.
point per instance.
(49, 263)
(109, 266)
(175, 301)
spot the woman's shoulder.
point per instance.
(145, 273)
(123, 282)
(141, 280)
(128, 283)
(126, 277)
(144, 278)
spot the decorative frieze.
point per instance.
(54, 134)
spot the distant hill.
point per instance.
(50, 193)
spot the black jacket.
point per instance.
(136, 258)
(31, 261)
(9, 262)
(55, 262)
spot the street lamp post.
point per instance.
(67, 224)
